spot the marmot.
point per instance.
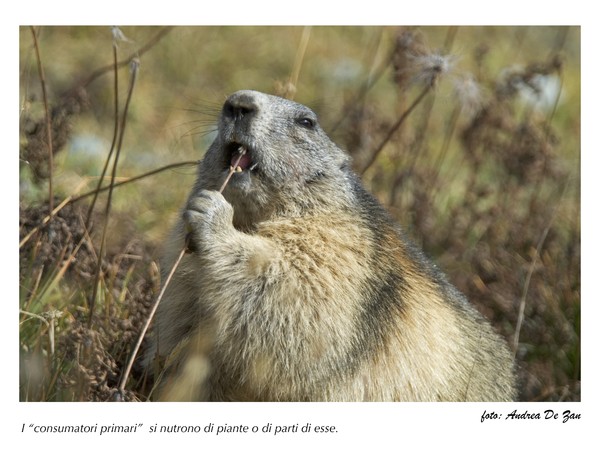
(302, 288)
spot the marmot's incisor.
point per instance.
(301, 287)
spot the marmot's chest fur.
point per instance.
(301, 287)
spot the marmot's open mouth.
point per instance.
(240, 157)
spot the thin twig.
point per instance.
(395, 127)
(148, 321)
(369, 82)
(70, 199)
(114, 139)
(183, 251)
(136, 55)
(135, 178)
(536, 255)
(526, 289)
(443, 152)
(49, 325)
(293, 81)
(134, 72)
(242, 152)
(46, 219)
(37, 316)
(47, 120)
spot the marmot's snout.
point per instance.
(240, 107)
(239, 110)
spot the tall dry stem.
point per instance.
(47, 120)
(114, 139)
(134, 72)
(183, 251)
(293, 80)
(375, 153)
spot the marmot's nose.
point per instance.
(240, 106)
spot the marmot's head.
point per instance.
(290, 164)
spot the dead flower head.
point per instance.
(414, 63)
(428, 68)
(469, 94)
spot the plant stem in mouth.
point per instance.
(242, 152)
(184, 250)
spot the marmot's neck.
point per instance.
(326, 196)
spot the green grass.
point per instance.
(481, 203)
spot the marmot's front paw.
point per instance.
(205, 217)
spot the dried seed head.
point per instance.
(429, 68)
(409, 45)
(469, 94)
(118, 36)
(414, 63)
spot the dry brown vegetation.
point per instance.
(470, 137)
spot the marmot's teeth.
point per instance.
(238, 169)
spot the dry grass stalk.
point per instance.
(134, 72)
(288, 90)
(114, 139)
(183, 251)
(46, 119)
(375, 153)
(46, 219)
(131, 180)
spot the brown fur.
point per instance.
(302, 288)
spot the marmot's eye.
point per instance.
(306, 122)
